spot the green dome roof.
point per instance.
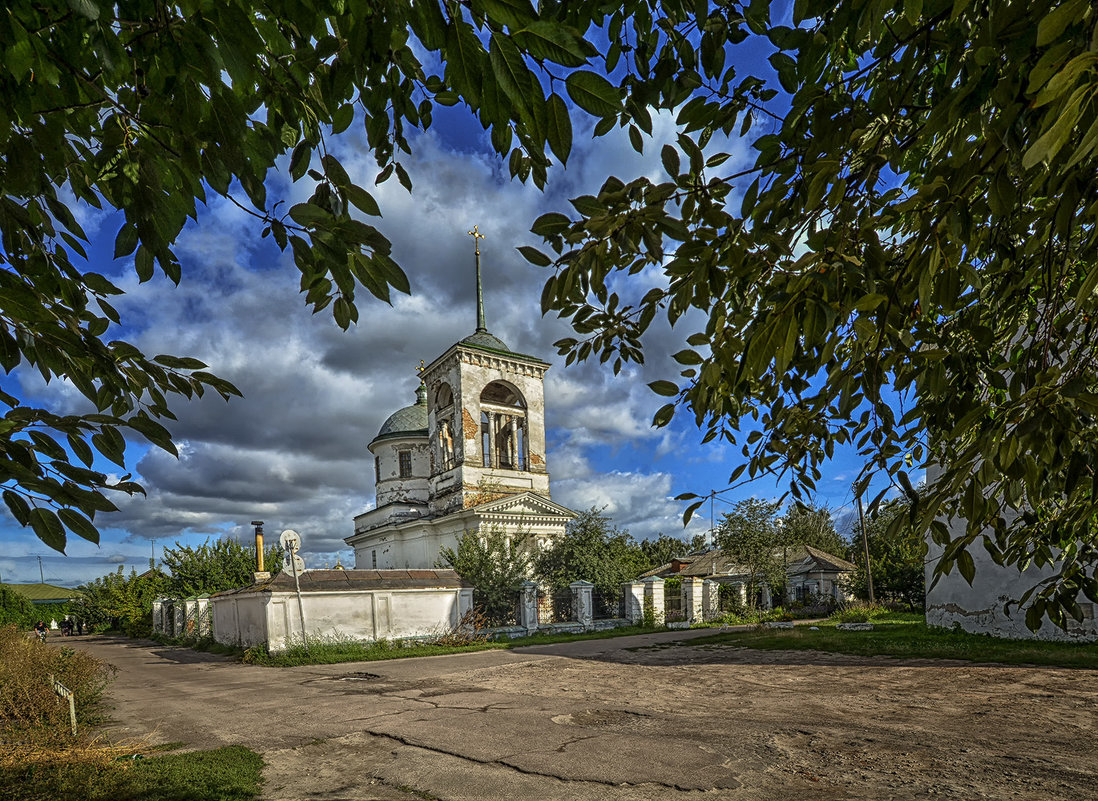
(482, 339)
(410, 421)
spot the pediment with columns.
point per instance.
(524, 504)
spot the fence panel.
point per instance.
(672, 608)
(608, 605)
(499, 609)
(555, 606)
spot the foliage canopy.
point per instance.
(917, 232)
(908, 266)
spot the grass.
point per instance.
(224, 774)
(334, 651)
(906, 636)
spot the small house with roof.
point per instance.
(467, 456)
(810, 572)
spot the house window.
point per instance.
(405, 464)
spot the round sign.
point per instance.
(293, 564)
(290, 540)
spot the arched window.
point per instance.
(444, 425)
(503, 427)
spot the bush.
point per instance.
(15, 609)
(857, 612)
(30, 711)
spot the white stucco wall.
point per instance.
(249, 619)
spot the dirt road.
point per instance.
(629, 718)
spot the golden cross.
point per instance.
(477, 236)
(420, 369)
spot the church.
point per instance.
(467, 457)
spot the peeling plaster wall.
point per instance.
(389, 486)
(980, 608)
(418, 544)
(467, 371)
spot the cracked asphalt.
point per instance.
(625, 718)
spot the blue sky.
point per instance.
(293, 451)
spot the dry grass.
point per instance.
(31, 714)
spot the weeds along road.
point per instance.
(627, 718)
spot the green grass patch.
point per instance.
(225, 774)
(332, 652)
(906, 636)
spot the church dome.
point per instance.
(482, 339)
(411, 421)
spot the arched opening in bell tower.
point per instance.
(503, 432)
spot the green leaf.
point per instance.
(670, 157)
(535, 256)
(306, 214)
(18, 507)
(665, 388)
(48, 528)
(79, 525)
(85, 8)
(559, 127)
(126, 240)
(1055, 22)
(550, 223)
(550, 41)
(362, 200)
(593, 93)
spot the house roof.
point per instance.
(815, 559)
(339, 580)
(45, 593)
(801, 559)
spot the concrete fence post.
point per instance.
(653, 597)
(465, 603)
(158, 620)
(202, 627)
(711, 599)
(528, 606)
(179, 614)
(634, 601)
(583, 602)
(692, 599)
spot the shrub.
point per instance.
(857, 612)
(16, 609)
(30, 711)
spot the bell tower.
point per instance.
(485, 418)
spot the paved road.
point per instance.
(600, 719)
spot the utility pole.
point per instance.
(41, 575)
(865, 547)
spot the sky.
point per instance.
(293, 452)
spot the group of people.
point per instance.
(67, 627)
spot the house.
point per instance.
(467, 456)
(49, 599)
(810, 572)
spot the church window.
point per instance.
(405, 458)
(377, 468)
(373, 559)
